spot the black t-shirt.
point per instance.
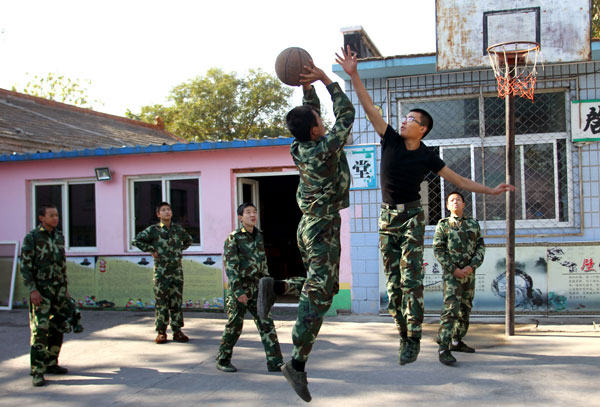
(402, 170)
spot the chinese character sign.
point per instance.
(363, 166)
(585, 120)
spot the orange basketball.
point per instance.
(290, 64)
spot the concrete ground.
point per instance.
(114, 362)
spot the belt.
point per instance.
(402, 207)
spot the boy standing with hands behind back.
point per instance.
(165, 241)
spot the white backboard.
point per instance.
(465, 28)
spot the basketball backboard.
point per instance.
(466, 28)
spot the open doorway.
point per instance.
(279, 215)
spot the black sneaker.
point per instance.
(462, 347)
(447, 358)
(226, 367)
(55, 369)
(403, 341)
(275, 367)
(410, 351)
(266, 296)
(38, 380)
(297, 380)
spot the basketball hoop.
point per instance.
(515, 67)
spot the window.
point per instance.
(76, 204)
(469, 134)
(183, 193)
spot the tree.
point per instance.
(595, 18)
(58, 88)
(221, 106)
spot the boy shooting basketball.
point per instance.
(323, 191)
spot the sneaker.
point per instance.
(410, 351)
(38, 380)
(55, 369)
(462, 347)
(403, 340)
(274, 367)
(161, 338)
(297, 380)
(180, 337)
(447, 358)
(226, 367)
(266, 296)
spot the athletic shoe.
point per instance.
(180, 337)
(447, 358)
(462, 347)
(410, 351)
(403, 340)
(38, 380)
(226, 367)
(55, 369)
(274, 367)
(161, 338)
(266, 296)
(297, 380)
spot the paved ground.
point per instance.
(354, 363)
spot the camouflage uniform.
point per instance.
(322, 192)
(44, 268)
(401, 238)
(245, 264)
(457, 243)
(168, 274)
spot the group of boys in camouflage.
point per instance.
(322, 192)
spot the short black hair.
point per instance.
(300, 120)
(426, 119)
(44, 207)
(161, 204)
(454, 193)
(240, 209)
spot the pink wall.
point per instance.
(217, 193)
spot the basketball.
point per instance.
(290, 64)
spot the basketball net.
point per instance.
(515, 67)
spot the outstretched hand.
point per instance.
(314, 74)
(348, 61)
(501, 188)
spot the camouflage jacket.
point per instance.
(167, 242)
(457, 243)
(43, 261)
(245, 260)
(324, 172)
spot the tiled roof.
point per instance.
(30, 124)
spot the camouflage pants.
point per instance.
(458, 301)
(294, 285)
(401, 237)
(168, 294)
(235, 322)
(48, 325)
(319, 244)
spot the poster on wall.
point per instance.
(490, 282)
(362, 161)
(573, 278)
(8, 265)
(585, 120)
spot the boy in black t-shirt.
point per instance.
(405, 161)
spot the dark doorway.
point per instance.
(279, 218)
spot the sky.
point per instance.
(134, 52)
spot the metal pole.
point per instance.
(510, 215)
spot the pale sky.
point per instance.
(135, 51)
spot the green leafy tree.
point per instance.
(222, 106)
(58, 88)
(595, 18)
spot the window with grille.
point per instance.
(469, 134)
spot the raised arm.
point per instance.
(470, 185)
(349, 63)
